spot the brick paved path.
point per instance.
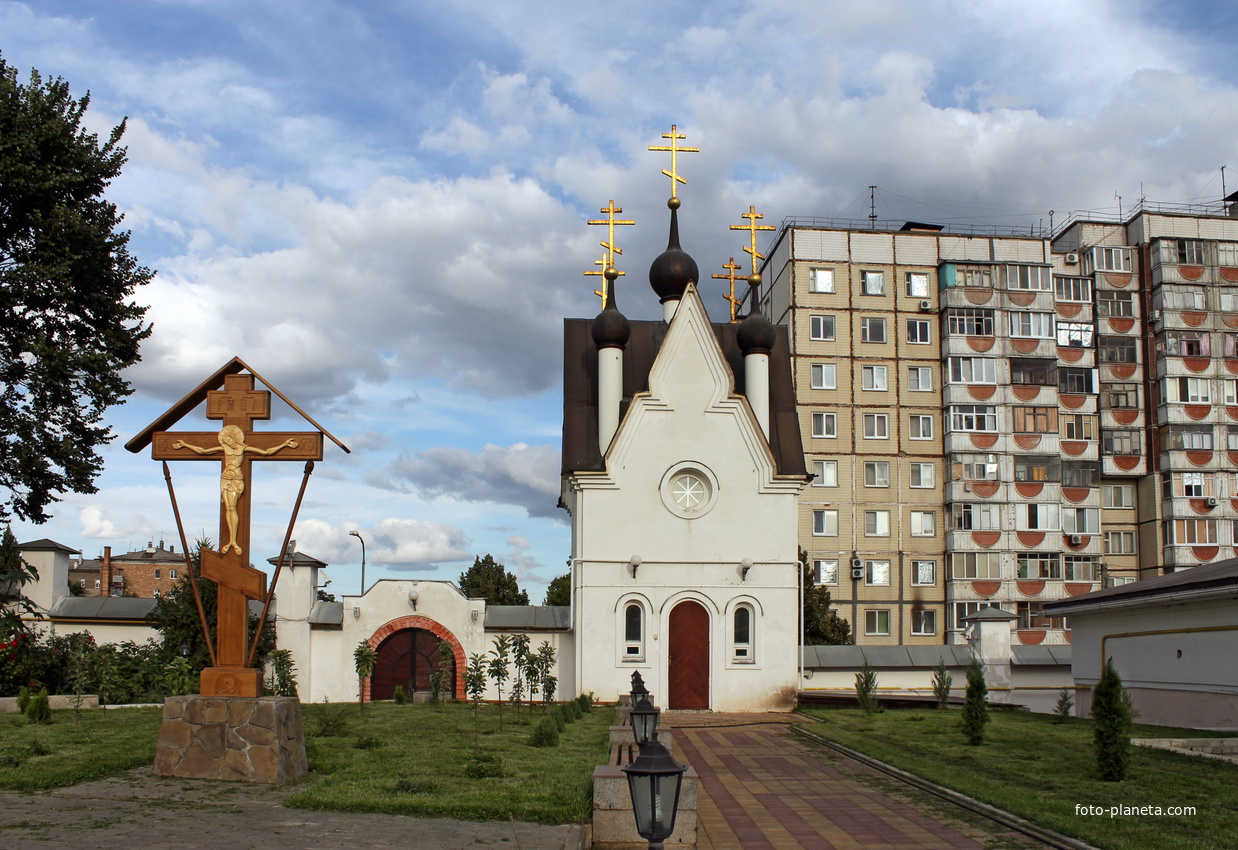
(762, 789)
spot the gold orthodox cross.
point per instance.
(236, 446)
(731, 266)
(752, 227)
(674, 136)
(612, 249)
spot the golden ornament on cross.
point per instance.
(674, 149)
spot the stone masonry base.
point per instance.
(248, 739)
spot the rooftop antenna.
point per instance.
(1119, 197)
(1050, 222)
(872, 207)
(1224, 195)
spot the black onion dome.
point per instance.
(611, 328)
(756, 333)
(673, 270)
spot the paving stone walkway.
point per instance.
(764, 790)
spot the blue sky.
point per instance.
(381, 205)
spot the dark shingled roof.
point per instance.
(100, 608)
(528, 617)
(955, 655)
(580, 391)
(45, 545)
(1217, 575)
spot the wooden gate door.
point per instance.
(407, 659)
(688, 649)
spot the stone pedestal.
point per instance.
(235, 738)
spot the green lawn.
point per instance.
(1041, 771)
(38, 757)
(419, 766)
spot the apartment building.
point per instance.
(975, 408)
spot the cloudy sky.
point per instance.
(381, 205)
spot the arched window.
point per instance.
(742, 635)
(633, 632)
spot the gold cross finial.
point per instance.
(731, 266)
(752, 227)
(608, 260)
(604, 292)
(674, 136)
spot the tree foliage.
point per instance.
(942, 680)
(365, 659)
(822, 627)
(488, 579)
(866, 688)
(975, 704)
(15, 573)
(67, 325)
(1111, 725)
(559, 592)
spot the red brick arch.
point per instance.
(438, 630)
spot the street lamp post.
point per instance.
(654, 779)
(357, 535)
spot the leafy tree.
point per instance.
(559, 592)
(520, 663)
(942, 680)
(975, 704)
(822, 627)
(365, 659)
(175, 616)
(15, 573)
(1111, 725)
(499, 670)
(488, 579)
(475, 687)
(68, 328)
(545, 662)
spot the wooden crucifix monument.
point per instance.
(237, 405)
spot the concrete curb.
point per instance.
(1040, 833)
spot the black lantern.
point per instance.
(184, 650)
(654, 780)
(644, 716)
(638, 688)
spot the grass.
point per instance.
(38, 757)
(425, 764)
(1040, 771)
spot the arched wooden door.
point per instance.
(407, 658)
(688, 651)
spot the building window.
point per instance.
(974, 276)
(825, 472)
(1190, 532)
(1120, 442)
(81, 582)
(821, 327)
(872, 329)
(1080, 567)
(981, 565)
(1077, 426)
(972, 370)
(1075, 334)
(917, 285)
(1187, 438)
(922, 476)
(1031, 325)
(1080, 473)
(1039, 565)
(1110, 259)
(974, 467)
(1118, 349)
(921, 426)
(973, 417)
(973, 516)
(1033, 371)
(1185, 343)
(743, 634)
(923, 621)
(156, 594)
(822, 280)
(923, 524)
(919, 332)
(876, 473)
(1189, 390)
(1037, 468)
(1119, 305)
(1227, 254)
(824, 376)
(873, 378)
(969, 321)
(1075, 380)
(1038, 517)
(875, 426)
(1188, 252)
(173, 574)
(963, 610)
(1080, 520)
(924, 573)
(826, 571)
(156, 574)
(877, 573)
(1035, 420)
(877, 622)
(96, 583)
(1036, 278)
(825, 523)
(1121, 396)
(825, 425)
(1119, 495)
(872, 283)
(876, 523)
(633, 632)
(1073, 289)
(919, 378)
(1032, 616)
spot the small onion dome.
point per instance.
(611, 328)
(756, 333)
(673, 270)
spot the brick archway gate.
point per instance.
(438, 630)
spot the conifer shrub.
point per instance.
(976, 705)
(558, 719)
(942, 680)
(23, 699)
(545, 734)
(1111, 725)
(586, 702)
(399, 696)
(39, 709)
(573, 708)
(866, 688)
(485, 765)
(1063, 709)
